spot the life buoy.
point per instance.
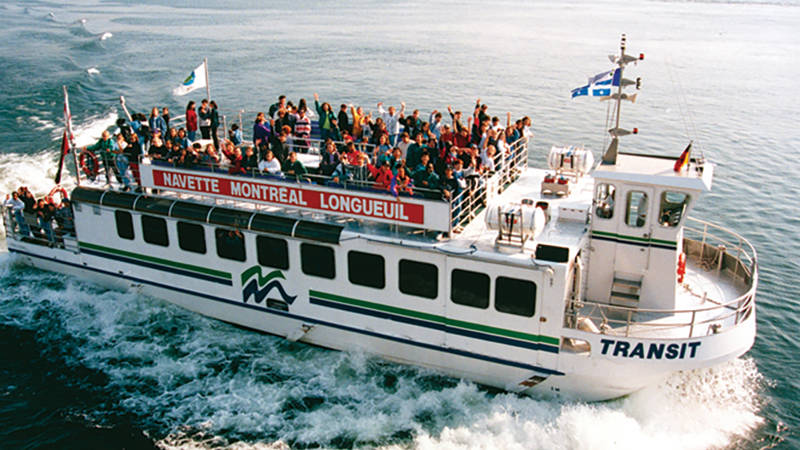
(57, 190)
(93, 168)
(681, 267)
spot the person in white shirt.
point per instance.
(15, 205)
(270, 164)
(392, 120)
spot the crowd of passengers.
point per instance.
(387, 151)
(37, 217)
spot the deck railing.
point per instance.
(711, 248)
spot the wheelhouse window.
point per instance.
(154, 230)
(366, 269)
(515, 296)
(604, 200)
(272, 252)
(230, 244)
(124, 224)
(317, 260)
(418, 278)
(469, 288)
(192, 237)
(636, 211)
(673, 207)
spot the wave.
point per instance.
(89, 131)
(106, 35)
(195, 382)
(92, 71)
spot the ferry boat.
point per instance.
(579, 281)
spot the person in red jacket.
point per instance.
(191, 122)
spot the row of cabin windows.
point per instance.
(673, 206)
(468, 288)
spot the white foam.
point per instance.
(92, 71)
(106, 35)
(89, 131)
(34, 171)
(209, 383)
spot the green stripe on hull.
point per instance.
(438, 319)
(153, 259)
(632, 238)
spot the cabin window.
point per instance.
(515, 296)
(469, 288)
(230, 244)
(420, 279)
(317, 260)
(636, 212)
(124, 224)
(604, 201)
(192, 237)
(154, 230)
(366, 269)
(673, 206)
(272, 252)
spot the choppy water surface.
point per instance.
(83, 366)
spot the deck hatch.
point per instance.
(272, 224)
(85, 195)
(315, 231)
(154, 205)
(119, 199)
(230, 218)
(190, 211)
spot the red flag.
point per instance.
(64, 151)
(683, 159)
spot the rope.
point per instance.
(683, 107)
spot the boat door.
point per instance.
(634, 230)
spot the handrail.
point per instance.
(739, 308)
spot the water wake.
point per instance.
(194, 382)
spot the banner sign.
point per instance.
(407, 211)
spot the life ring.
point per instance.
(681, 266)
(92, 171)
(57, 190)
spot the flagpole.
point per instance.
(68, 126)
(208, 84)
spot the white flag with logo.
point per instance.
(196, 80)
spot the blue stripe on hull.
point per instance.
(453, 351)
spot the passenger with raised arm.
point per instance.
(358, 116)
(456, 118)
(191, 122)
(392, 120)
(234, 155)
(270, 164)
(292, 167)
(326, 117)
(382, 175)
(210, 155)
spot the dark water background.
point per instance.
(85, 367)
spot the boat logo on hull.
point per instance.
(256, 285)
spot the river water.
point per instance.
(87, 367)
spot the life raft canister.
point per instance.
(681, 266)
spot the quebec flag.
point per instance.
(196, 80)
(599, 85)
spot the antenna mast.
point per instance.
(610, 157)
